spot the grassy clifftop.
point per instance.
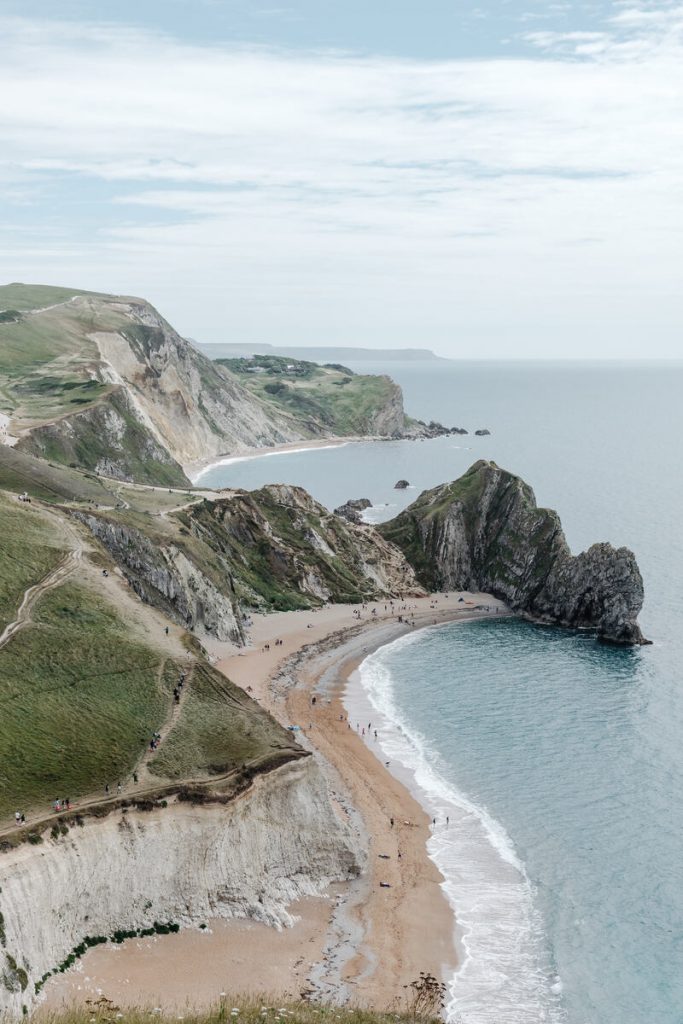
(331, 398)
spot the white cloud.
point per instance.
(308, 196)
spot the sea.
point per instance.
(557, 760)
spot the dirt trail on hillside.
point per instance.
(53, 579)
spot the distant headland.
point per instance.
(319, 353)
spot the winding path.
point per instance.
(53, 579)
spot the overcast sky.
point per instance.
(500, 180)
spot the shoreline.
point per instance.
(368, 940)
(196, 470)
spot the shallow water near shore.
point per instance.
(568, 751)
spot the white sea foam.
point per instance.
(505, 975)
(377, 513)
(230, 460)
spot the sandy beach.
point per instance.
(195, 470)
(368, 940)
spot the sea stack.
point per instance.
(485, 532)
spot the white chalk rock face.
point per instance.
(250, 858)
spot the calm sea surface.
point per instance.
(558, 760)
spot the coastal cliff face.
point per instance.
(163, 575)
(285, 550)
(485, 532)
(184, 864)
(272, 549)
(104, 383)
(109, 438)
(195, 408)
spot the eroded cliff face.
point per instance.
(485, 532)
(285, 550)
(195, 408)
(110, 438)
(250, 858)
(164, 576)
(390, 419)
(266, 550)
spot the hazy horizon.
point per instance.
(499, 180)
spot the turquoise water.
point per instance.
(559, 759)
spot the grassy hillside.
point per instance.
(58, 484)
(90, 676)
(268, 1009)
(18, 296)
(332, 397)
(217, 732)
(80, 698)
(29, 548)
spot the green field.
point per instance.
(330, 397)
(29, 548)
(79, 696)
(36, 296)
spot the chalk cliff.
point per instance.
(485, 532)
(184, 864)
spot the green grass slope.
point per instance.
(329, 397)
(83, 686)
(219, 730)
(24, 297)
(79, 698)
(29, 549)
(57, 484)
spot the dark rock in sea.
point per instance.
(418, 429)
(352, 509)
(482, 433)
(485, 532)
(401, 485)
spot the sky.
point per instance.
(492, 180)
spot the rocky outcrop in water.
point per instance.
(485, 532)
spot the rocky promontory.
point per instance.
(485, 532)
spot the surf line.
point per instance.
(504, 959)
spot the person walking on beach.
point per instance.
(391, 822)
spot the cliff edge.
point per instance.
(485, 532)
